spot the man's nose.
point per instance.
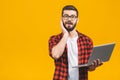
(69, 18)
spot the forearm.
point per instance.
(58, 50)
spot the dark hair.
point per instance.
(69, 7)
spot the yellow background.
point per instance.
(26, 25)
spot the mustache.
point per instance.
(69, 22)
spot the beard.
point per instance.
(69, 29)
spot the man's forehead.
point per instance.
(70, 12)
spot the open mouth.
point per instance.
(69, 23)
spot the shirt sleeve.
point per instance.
(90, 45)
(52, 43)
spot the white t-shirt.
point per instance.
(73, 73)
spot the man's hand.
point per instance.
(95, 64)
(58, 49)
(63, 28)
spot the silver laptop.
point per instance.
(102, 52)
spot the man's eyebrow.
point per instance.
(70, 15)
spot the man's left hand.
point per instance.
(95, 64)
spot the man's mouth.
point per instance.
(69, 23)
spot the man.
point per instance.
(71, 48)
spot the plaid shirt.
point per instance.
(85, 46)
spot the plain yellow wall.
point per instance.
(26, 25)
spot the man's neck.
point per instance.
(73, 33)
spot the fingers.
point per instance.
(61, 24)
(97, 63)
(63, 28)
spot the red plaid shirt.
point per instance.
(85, 46)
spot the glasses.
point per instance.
(72, 17)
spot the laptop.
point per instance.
(102, 52)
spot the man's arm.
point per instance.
(58, 49)
(95, 63)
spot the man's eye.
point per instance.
(72, 16)
(65, 16)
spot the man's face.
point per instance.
(69, 19)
